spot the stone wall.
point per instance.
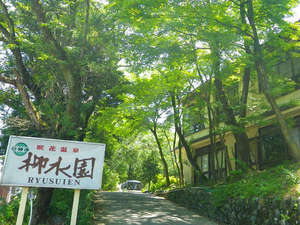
(269, 211)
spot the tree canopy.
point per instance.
(142, 75)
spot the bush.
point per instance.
(269, 197)
(9, 212)
(110, 179)
(161, 183)
(59, 210)
(61, 206)
(275, 182)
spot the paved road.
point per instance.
(134, 208)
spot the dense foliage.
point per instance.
(9, 211)
(142, 75)
(59, 210)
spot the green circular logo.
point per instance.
(20, 149)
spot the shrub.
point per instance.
(161, 183)
(269, 197)
(61, 206)
(9, 212)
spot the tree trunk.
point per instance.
(173, 155)
(212, 125)
(162, 157)
(212, 137)
(181, 137)
(41, 206)
(227, 159)
(180, 162)
(171, 152)
(247, 71)
(178, 169)
(239, 132)
(70, 71)
(293, 147)
(176, 161)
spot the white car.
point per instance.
(132, 185)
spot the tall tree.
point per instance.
(150, 169)
(239, 132)
(59, 66)
(179, 37)
(148, 108)
(276, 18)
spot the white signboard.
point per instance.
(40, 162)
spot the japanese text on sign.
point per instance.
(53, 163)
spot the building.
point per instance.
(267, 145)
(4, 191)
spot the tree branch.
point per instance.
(3, 39)
(5, 32)
(70, 71)
(30, 109)
(11, 39)
(182, 32)
(87, 15)
(7, 80)
(235, 27)
(48, 36)
(10, 21)
(86, 27)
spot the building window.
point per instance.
(272, 147)
(285, 71)
(202, 161)
(253, 144)
(212, 165)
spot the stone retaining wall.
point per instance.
(267, 211)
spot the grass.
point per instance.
(278, 182)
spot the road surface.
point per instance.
(135, 208)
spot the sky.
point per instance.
(296, 16)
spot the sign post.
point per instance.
(75, 206)
(22, 206)
(52, 163)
